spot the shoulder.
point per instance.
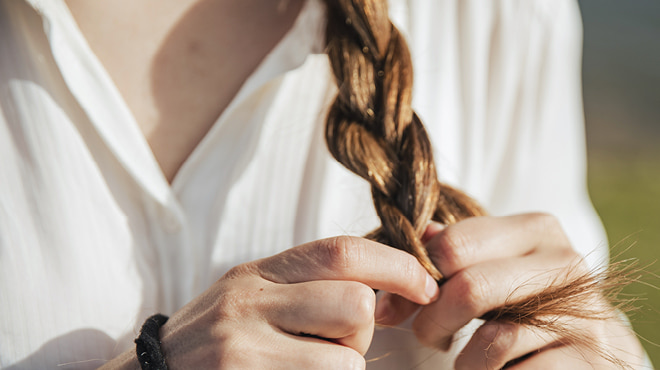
(530, 15)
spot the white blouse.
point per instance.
(93, 239)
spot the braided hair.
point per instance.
(373, 131)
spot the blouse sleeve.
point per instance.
(548, 173)
(498, 84)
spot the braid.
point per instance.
(374, 132)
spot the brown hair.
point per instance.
(373, 131)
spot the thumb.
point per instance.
(432, 229)
(392, 309)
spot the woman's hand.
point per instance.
(310, 307)
(490, 261)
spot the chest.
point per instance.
(178, 64)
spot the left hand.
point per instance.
(488, 261)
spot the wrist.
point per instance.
(125, 361)
(148, 344)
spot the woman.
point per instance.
(153, 154)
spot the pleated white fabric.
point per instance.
(93, 239)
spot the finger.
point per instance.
(494, 345)
(339, 310)
(432, 230)
(392, 309)
(563, 357)
(605, 345)
(356, 259)
(481, 239)
(294, 352)
(321, 356)
(476, 290)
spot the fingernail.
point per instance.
(383, 309)
(432, 229)
(432, 290)
(435, 227)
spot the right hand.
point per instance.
(309, 307)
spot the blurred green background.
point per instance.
(621, 77)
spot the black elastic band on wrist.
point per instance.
(148, 350)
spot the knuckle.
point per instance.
(234, 300)
(453, 250)
(228, 305)
(340, 253)
(362, 301)
(545, 220)
(238, 271)
(470, 292)
(546, 223)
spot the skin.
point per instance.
(260, 314)
(482, 258)
(313, 306)
(179, 63)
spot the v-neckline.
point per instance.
(108, 112)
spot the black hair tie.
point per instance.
(148, 350)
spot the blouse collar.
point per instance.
(99, 98)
